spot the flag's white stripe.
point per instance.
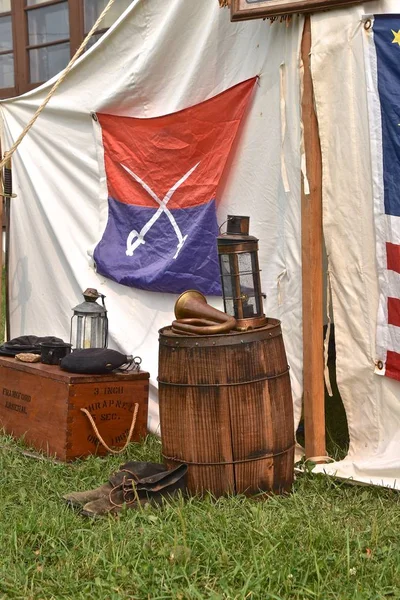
(393, 338)
(393, 279)
(381, 220)
(385, 333)
(393, 229)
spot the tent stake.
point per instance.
(312, 268)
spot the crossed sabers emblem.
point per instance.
(135, 239)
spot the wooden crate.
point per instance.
(42, 403)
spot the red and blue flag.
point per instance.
(162, 176)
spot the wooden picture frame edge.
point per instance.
(241, 10)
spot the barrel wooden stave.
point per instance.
(210, 422)
(187, 435)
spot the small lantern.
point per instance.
(240, 274)
(89, 323)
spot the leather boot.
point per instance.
(130, 470)
(80, 498)
(132, 494)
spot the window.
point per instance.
(48, 39)
(93, 9)
(38, 37)
(7, 78)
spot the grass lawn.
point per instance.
(327, 540)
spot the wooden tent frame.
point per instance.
(312, 269)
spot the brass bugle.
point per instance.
(195, 317)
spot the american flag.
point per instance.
(383, 81)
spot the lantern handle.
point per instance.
(132, 364)
(221, 226)
(102, 296)
(137, 361)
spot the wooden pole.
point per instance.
(312, 268)
(6, 206)
(2, 303)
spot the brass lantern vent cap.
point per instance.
(238, 225)
(91, 295)
(237, 230)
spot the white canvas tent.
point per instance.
(161, 57)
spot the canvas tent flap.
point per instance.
(158, 58)
(372, 403)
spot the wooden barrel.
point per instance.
(226, 410)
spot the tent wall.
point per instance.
(158, 58)
(372, 403)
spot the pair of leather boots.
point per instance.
(134, 484)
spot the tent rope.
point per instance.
(10, 152)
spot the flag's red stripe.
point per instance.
(393, 358)
(393, 257)
(393, 365)
(393, 304)
(394, 311)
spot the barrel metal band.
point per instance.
(176, 341)
(228, 462)
(224, 384)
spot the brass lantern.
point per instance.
(240, 274)
(89, 323)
